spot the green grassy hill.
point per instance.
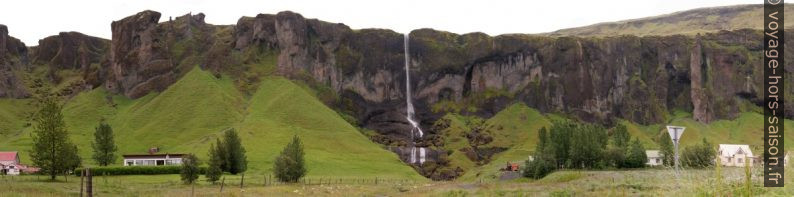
(688, 22)
(520, 124)
(192, 113)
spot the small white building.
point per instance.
(735, 155)
(153, 159)
(9, 163)
(654, 158)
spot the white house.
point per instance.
(9, 163)
(735, 155)
(654, 158)
(153, 159)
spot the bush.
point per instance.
(290, 166)
(538, 168)
(134, 170)
(190, 170)
(698, 156)
(636, 157)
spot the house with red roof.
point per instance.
(10, 165)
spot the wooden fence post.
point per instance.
(89, 190)
(82, 177)
(223, 181)
(242, 179)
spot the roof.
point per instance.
(8, 156)
(652, 153)
(153, 155)
(728, 150)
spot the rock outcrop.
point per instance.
(140, 61)
(74, 51)
(70, 50)
(148, 56)
(13, 55)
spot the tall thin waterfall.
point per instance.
(409, 115)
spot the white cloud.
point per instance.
(31, 20)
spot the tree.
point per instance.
(615, 157)
(621, 136)
(698, 156)
(560, 139)
(104, 145)
(71, 158)
(190, 170)
(236, 160)
(214, 170)
(543, 162)
(542, 139)
(220, 152)
(289, 165)
(587, 145)
(52, 151)
(666, 146)
(538, 167)
(636, 157)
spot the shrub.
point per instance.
(134, 170)
(290, 166)
(636, 156)
(190, 170)
(538, 168)
(698, 156)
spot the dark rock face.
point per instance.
(641, 79)
(140, 61)
(77, 51)
(260, 30)
(70, 50)
(13, 55)
(148, 56)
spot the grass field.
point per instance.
(192, 113)
(648, 182)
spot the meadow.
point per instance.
(646, 182)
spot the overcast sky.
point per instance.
(31, 20)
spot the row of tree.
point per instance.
(571, 145)
(229, 156)
(585, 146)
(54, 153)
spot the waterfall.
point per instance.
(409, 115)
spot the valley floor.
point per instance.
(648, 182)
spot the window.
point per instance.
(658, 160)
(739, 160)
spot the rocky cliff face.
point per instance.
(70, 50)
(75, 51)
(641, 79)
(13, 55)
(140, 61)
(148, 56)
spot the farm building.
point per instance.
(10, 165)
(9, 162)
(152, 159)
(654, 158)
(735, 155)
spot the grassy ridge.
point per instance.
(191, 113)
(688, 22)
(520, 125)
(280, 109)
